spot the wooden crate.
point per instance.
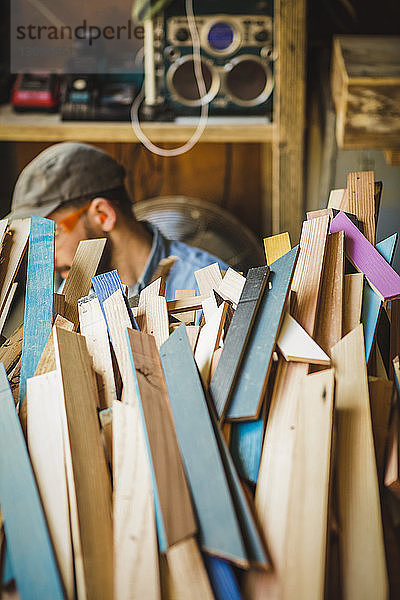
(365, 81)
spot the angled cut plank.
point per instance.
(28, 540)
(136, 570)
(83, 268)
(297, 346)
(38, 314)
(174, 513)
(208, 278)
(353, 292)
(106, 284)
(185, 575)
(47, 361)
(276, 246)
(237, 337)
(156, 288)
(14, 248)
(380, 275)
(254, 371)
(94, 328)
(303, 576)
(87, 473)
(231, 286)
(46, 451)
(187, 317)
(193, 333)
(371, 302)
(221, 509)
(361, 542)
(380, 395)
(328, 328)
(336, 198)
(246, 445)
(10, 351)
(360, 200)
(218, 525)
(208, 342)
(157, 323)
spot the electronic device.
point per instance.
(236, 58)
(36, 92)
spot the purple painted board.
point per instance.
(380, 275)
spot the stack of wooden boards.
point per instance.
(253, 456)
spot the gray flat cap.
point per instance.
(63, 172)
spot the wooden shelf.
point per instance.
(39, 127)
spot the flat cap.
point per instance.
(61, 173)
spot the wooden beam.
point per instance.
(276, 246)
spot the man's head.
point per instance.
(77, 185)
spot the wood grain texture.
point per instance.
(329, 325)
(174, 513)
(10, 351)
(14, 247)
(353, 293)
(93, 327)
(46, 451)
(185, 304)
(157, 323)
(187, 317)
(58, 305)
(276, 246)
(360, 201)
(253, 375)
(87, 472)
(380, 275)
(156, 288)
(83, 268)
(303, 576)
(231, 286)
(380, 396)
(361, 541)
(297, 346)
(38, 314)
(208, 341)
(136, 570)
(7, 305)
(28, 540)
(186, 575)
(208, 278)
(47, 361)
(336, 198)
(193, 333)
(235, 342)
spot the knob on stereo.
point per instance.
(182, 34)
(261, 36)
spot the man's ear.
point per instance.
(102, 212)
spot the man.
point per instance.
(82, 189)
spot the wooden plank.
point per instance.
(380, 396)
(353, 292)
(208, 341)
(156, 288)
(7, 305)
(231, 286)
(83, 268)
(360, 201)
(297, 346)
(303, 576)
(380, 275)
(328, 328)
(185, 304)
(93, 327)
(219, 516)
(276, 246)
(236, 339)
(394, 330)
(219, 529)
(38, 314)
(186, 576)
(46, 451)
(371, 302)
(361, 541)
(208, 278)
(86, 467)
(105, 284)
(58, 305)
(136, 572)
(336, 198)
(47, 361)
(193, 333)
(157, 323)
(14, 248)
(28, 540)
(11, 350)
(254, 372)
(174, 513)
(246, 446)
(187, 317)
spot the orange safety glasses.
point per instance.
(68, 223)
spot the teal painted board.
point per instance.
(218, 524)
(371, 303)
(38, 314)
(104, 285)
(28, 540)
(223, 579)
(253, 374)
(8, 572)
(237, 337)
(226, 525)
(246, 447)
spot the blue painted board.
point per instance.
(8, 572)
(371, 303)
(246, 447)
(38, 314)
(28, 540)
(223, 579)
(104, 285)
(253, 374)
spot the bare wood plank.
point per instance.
(87, 472)
(193, 333)
(157, 323)
(136, 571)
(336, 197)
(58, 305)
(276, 246)
(7, 305)
(47, 361)
(360, 201)
(156, 288)
(231, 286)
(361, 542)
(94, 328)
(297, 346)
(380, 395)
(174, 513)
(14, 248)
(46, 451)
(185, 304)
(208, 342)
(187, 317)
(303, 576)
(83, 268)
(184, 573)
(11, 350)
(208, 278)
(353, 294)
(392, 467)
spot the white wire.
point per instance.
(201, 125)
